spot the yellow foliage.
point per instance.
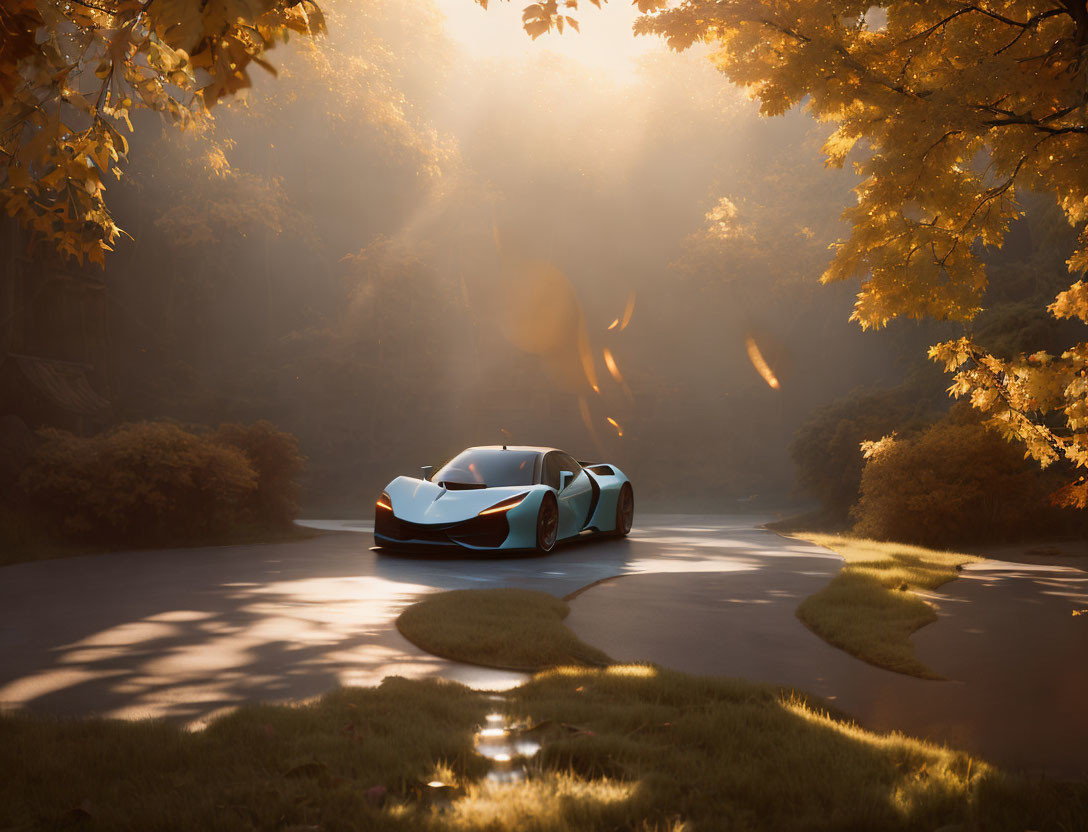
(1072, 303)
(957, 482)
(71, 73)
(958, 106)
(878, 448)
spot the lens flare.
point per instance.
(587, 420)
(540, 313)
(761, 365)
(585, 353)
(614, 324)
(615, 424)
(614, 370)
(610, 363)
(628, 311)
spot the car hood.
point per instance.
(420, 501)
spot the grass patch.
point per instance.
(869, 609)
(261, 767)
(630, 747)
(706, 753)
(513, 629)
(820, 520)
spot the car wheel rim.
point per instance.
(549, 525)
(627, 511)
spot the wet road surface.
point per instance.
(1014, 656)
(185, 633)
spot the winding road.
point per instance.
(185, 633)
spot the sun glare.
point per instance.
(605, 43)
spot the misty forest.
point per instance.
(808, 276)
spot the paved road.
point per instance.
(1015, 657)
(185, 633)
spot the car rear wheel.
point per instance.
(625, 510)
(547, 524)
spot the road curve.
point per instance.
(184, 633)
(1014, 656)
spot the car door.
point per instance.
(574, 500)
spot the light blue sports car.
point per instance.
(506, 498)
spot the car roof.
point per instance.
(529, 448)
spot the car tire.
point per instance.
(547, 524)
(625, 510)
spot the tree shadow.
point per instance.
(184, 634)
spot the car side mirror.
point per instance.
(564, 479)
(427, 469)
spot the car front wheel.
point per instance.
(625, 510)
(547, 524)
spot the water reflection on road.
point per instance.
(184, 633)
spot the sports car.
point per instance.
(504, 498)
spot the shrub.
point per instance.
(956, 482)
(275, 456)
(825, 448)
(141, 483)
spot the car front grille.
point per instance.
(487, 531)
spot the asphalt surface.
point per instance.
(185, 633)
(1014, 656)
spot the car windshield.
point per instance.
(488, 467)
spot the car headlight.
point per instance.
(384, 502)
(505, 505)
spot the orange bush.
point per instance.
(825, 448)
(275, 456)
(141, 483)
(955, 483)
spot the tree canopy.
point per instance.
(71, 74)
(954, 109)
(949, 110)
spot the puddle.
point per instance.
(506, 746)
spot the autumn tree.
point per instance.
(954, 108)
(72, 73)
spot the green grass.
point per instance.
(869, 609)
(262, 767)
(625, 748)
(724, 754)
(513, 629)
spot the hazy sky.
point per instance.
(605, 43)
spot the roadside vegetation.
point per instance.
(870, 609)
(513, 629)
(149, 484)
(957, 483)
(885, 470)
(629, 747)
